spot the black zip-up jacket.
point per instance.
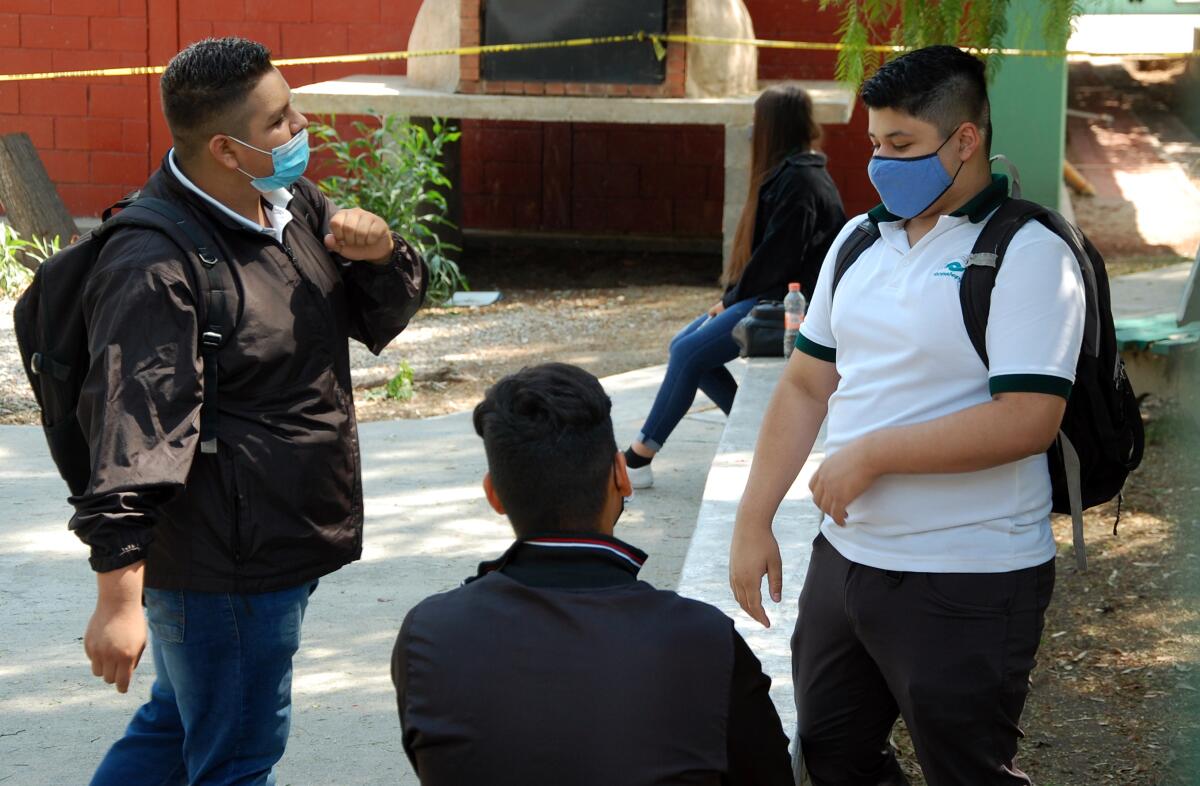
(280, 502)
(799, 214)
(556, 665)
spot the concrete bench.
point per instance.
(1161, 355)
(706, 568)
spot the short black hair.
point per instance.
(548, 434)
(942, 85)
(204, 86)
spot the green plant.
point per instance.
(912, 24)
(19, 257)
(393, 168)
(398, 388)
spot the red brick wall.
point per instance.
(100, 138)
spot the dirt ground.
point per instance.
(607, 312)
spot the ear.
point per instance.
(220, 147)
(489, 491)
(970, 139)
(621, 475)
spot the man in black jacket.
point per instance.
(555, 664)
(225, 544)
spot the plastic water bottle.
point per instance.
(794, 307)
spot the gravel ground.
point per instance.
(609, 313)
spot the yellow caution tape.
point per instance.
(657, 40)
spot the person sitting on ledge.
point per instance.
(555, 663)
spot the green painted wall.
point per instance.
(1188, 92)
(1143, 7)
(1029, 100)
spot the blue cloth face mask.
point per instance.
(909, 186)
(289, 161)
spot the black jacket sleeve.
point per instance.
(757, 746)
(382, 298)
(780, 254)
(400, 681)
(139, 407)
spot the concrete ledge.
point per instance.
(832, 101)
(706, 567)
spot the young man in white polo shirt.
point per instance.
(928, 584)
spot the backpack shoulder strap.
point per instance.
(983, 264)
(217, 320)
(858, 241)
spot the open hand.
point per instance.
(754, 553)
(114, 642)
(359, 235)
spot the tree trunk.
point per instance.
(29, 197)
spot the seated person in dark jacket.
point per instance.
(791, 216)
(555, 664)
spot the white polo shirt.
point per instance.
(896, 333)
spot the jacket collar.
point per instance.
(276, 202)
(568, 560)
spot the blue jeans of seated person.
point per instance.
(221, 703)
(698, 355)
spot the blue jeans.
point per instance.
(698, 355)
(221, 703)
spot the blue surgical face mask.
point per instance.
(909, 186)
(289, 161)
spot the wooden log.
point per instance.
(32, 203)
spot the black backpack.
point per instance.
(52, 336)
(1101, 438)
(760, 333)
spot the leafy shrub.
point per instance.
(392, 168)
(14, 275)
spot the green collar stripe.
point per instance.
(828, 354)
(978, 208)
(880, 214)
(1030, 383)
(982, 204)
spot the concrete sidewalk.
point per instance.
(427, 528)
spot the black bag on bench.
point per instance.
(760, 333)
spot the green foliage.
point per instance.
(912, 24)
(15, 276)
(392, 168)
(398, 388)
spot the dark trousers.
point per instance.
(951, 652)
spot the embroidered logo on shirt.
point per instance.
(952, 270)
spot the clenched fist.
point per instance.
(358, 235)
